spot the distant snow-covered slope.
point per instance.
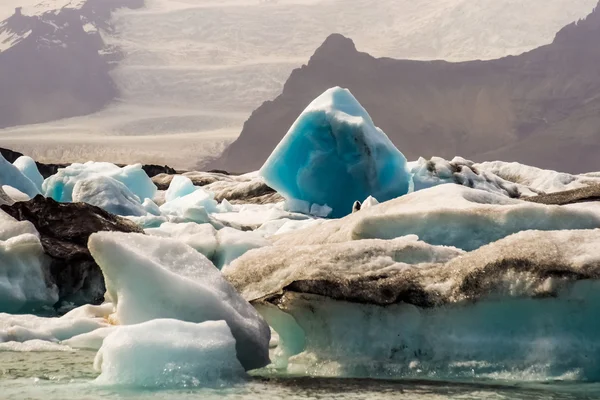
(193, 70)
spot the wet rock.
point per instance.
(64, 230)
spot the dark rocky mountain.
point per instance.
(540, 108)
(57, 67)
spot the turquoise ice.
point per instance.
(334, 155)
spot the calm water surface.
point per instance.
(69, 376)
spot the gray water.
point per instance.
(70, 376)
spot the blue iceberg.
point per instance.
(334, 155)
(12, 176)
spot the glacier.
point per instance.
(151, 277)
(334, 155)
(168, 353)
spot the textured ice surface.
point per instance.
(437, 171)
(542, 180)
(252, 216)
(180, 186)
(28, 168)
(334, 155)
(151, 277)
(193, 207)
(91, 340)
(451, 215)
(15, 194)
(23, 283)
(261, 272)
(35, 345)
(525, 304)
(60, 186)
(201, 237)
(11, 176)
(550, 338)
(108, 194)
(169, 353)
(22, 328)
(233, 243)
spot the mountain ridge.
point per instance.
(542, 106)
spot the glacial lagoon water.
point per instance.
(70, 376)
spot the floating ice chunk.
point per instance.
(201, 237)
(193, 207)
(320, 211)
(180, 186)
(35, 345)
(225, 206)
(369, 202)
(10, 227)
(60, 186)
(148, 221)
(90, 341)
(28, 168)
(150, 277)
(437, 171)
(23, 283)
(450, 215)
(169, 353)
(151, 207)
(252, 216)
(269, 270)
(233, 243)
(108, 194)
(541, 180)
(24, 286)
(291, 225)
(334, 155)
(22, 328)
(297, 206)
(15, 194)
(11, 176)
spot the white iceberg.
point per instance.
(24, 285)
(150, 277)
(27, 166)
(180, 186)
(108, 194)
(168, 353)
(11, 176)
(60, 186)
(333, 154)
(193, 207)
(233, 243)
(448, 215)
(201, 237)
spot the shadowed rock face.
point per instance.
(55, 70)
(541, 107)
(64, 230)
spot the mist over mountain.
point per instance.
(53, 61)
(541, 107)
(176, 79)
